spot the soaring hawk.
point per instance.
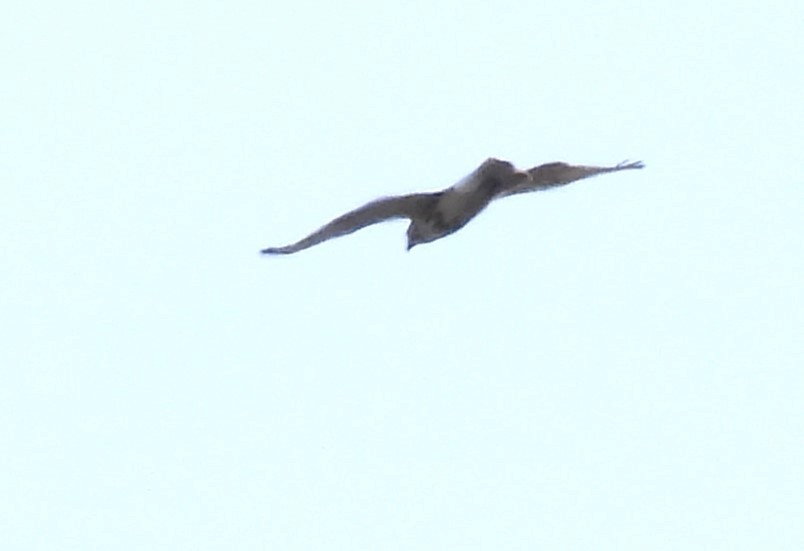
(438, 214)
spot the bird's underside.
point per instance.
(438, 214)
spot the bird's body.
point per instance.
(438, 214)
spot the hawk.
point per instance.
(438, 214)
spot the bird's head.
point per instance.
(421, 233)
(414, 237)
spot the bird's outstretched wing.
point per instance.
(558, 174)
(387, 208)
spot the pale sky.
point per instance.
(615, 365)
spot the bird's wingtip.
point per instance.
(630, 164)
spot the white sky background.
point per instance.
(613, 365)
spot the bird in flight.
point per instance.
(438, 214)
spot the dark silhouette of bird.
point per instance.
(438, 214)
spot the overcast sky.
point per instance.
(615, 365)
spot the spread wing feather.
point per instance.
(387, 208)
(558, 174)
